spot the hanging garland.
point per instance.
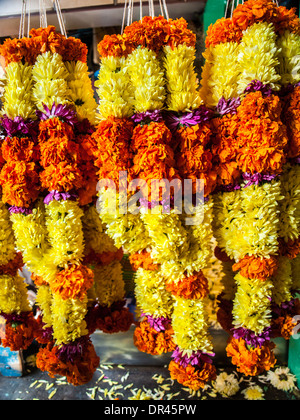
(147, 69)
(53, 225)
(250, 154)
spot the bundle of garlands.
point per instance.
(49, 182)
(154, 127)
(250, 80)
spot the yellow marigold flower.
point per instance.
(258, 56)
(31, 239)
(151, 294)
(167, 233)
(13, 295)
(195, 252)
(252, 306)
(220, 73)
(95, 236)
(63, 220)
(81, 91)
(182, 84)
(114, 88)
(189, 321)
(127, 230)
(44, 302)
(289, 57)
(147, 80)
(50, 74)
(68, 319)
(7, 239)
(18, 91)
(227, 223)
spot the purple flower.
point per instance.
(195, 359)
(251, 338)
(257, 178)
(71, 352)
(155, 116)
(228, 106)
(63, 112)
(159, 324)
(18, 126)
(23, 210)
(198, 116)
(58, 196)
(256, 86)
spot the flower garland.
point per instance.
(150, 68)
(250, 144)
(54, 232)
(19, 187)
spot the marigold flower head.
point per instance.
(150, 341)
(73, 282)
(252, 267)
(20, 183)
(251, 361)
(18, 336)
(223, 31)
(193, 377)
(194, 287)
(144, 260)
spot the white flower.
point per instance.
(253, 393)
(226, 385)
(282, 379)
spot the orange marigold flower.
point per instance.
(180, 34)
(154, 158)
(254, 11)
(151, 33)
(15, 50)
(150, 341)
(17, 336)
(223, 31)
(78, 373)
(149, 134)
(252, 267)
(143, 259)
(194, 287)
(73, 282)
(74, 50)
(62, 177)
(15, 148)
(115, 46)
(38, 281)
(194, 158)
(251, 361)
(20, 183)
(55, 129)
(193, 377)
(287, 19)
(284, 326)
(113, 137)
